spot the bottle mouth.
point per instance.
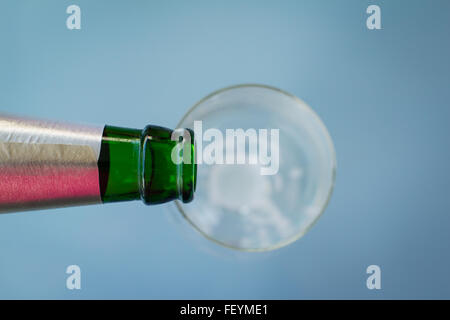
(188, 166)
(168, 167)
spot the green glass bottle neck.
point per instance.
(139, 164)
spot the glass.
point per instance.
(238, 206)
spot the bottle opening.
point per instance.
(184, 156)
(168, 169)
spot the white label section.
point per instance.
(15, 129)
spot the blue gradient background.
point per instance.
(384, 96)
